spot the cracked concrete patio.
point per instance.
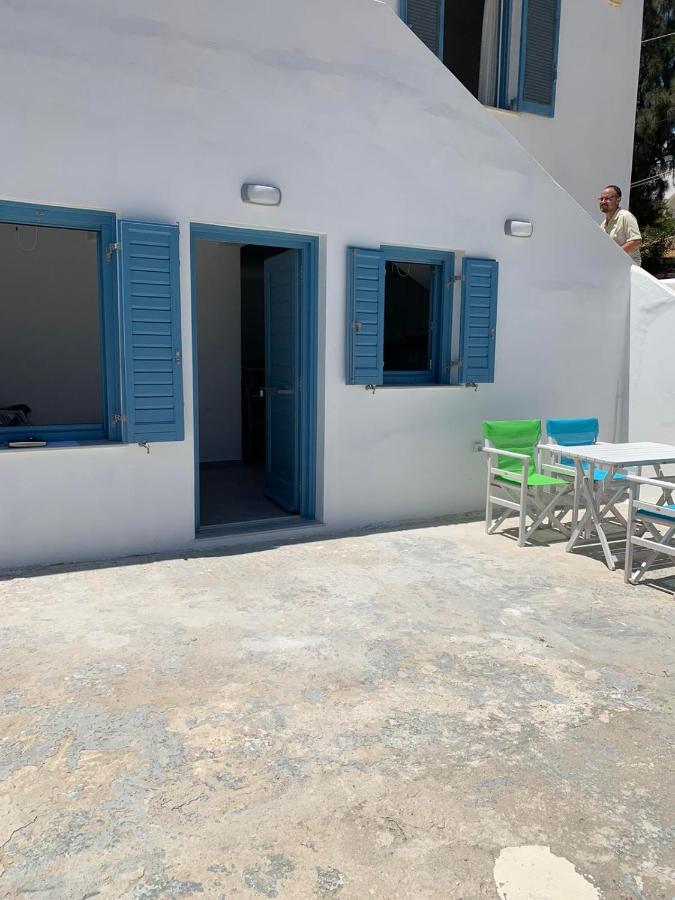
(383, 715)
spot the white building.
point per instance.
(145, 303)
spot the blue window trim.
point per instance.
(309, 336)
(104, 223)
(440, 314)
(503, 99)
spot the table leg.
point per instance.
(578, 525)
(591, 514)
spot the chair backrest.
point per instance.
(517, 436)
(572, 432)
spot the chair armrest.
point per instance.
(570, 471)
(495, 451)
(653, 482)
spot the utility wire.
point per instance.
(659, 37)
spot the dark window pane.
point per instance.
(407, 299)
(50, 324)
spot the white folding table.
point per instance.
(610, 457)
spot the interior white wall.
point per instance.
(652, 361)
(50, 356)
(371, 141)
(218, 281)
(589, 142)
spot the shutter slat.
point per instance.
(150, 302)
(424, 17)
(365, 284)
(478, 319)
(539, 56)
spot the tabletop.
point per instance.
(634, 453)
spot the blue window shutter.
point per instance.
(478, 328)
(425, 19)
(150, 311)
(365, 323)
(538, 56)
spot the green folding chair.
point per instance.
(515, 482)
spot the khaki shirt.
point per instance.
(623, 227)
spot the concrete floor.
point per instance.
(425, 713)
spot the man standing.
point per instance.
(619, 224)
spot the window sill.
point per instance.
(514, 113)
(415, 387)
(61, 445)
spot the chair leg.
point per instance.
(628, 566)
(522, 515)
(488, 498)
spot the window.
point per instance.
(400, 306)
(89, 318)
(503, 51)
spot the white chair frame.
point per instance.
(608, 491)
(520, 499)
(646, 517)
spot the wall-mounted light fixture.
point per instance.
(263, 194)
(514, 228)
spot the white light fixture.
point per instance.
(514, 228)
(262, 194)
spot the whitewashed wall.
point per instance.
(158, 109)
(589, 142)
(652, 360)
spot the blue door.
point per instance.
(282, 305)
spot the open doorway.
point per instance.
(252, 426)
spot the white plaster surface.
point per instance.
(652, 361)
(154, 112)
(534, 873)
(589, 142)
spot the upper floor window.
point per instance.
(503, 51)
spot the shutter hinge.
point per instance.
(178, 357)
(117, 418)
(111, 248)
(453, 364)
(455, 279)
(357, 326)
(370, 387)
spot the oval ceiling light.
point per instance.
(262, 194)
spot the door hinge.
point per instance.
(111, 248)
(117, 418)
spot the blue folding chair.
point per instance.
(580, 432)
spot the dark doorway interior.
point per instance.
(463, 33)
(232, 402)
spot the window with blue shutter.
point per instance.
(504, 53)
(399, 326)
(538, 56)
(152, 386)
(478, 327)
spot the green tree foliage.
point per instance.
(654, 151)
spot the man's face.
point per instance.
(609, 202)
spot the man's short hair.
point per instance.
(615, 188)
